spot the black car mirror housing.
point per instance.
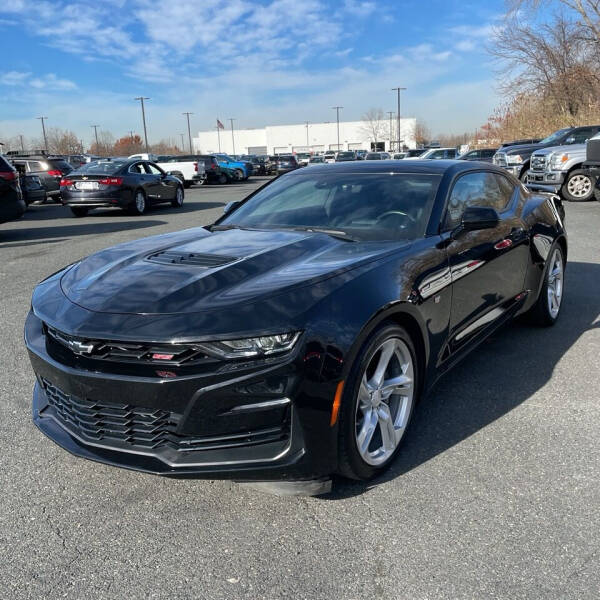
(475, 218)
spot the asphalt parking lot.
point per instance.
(495, 494)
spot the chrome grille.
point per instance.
(125, 425)
(500, 159)
(128, 352)
(538, 162)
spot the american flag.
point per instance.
(220, 125)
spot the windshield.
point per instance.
(345, 154)
(100, 167)
(555, 136)
(381, 206)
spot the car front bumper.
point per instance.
(546, 181)
(513, 169)
(193, 421)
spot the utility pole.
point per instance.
(96, 134)
(141, 99)
(307, 144)
(337, 112)
(131, 135)
(44, 132)
(399, 89)
(187, 114)
(181, 134)
(391, 113)
(22, 144)
(232, 138)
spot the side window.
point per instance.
(450, 154)
(153, 170)
(583, 134)
(437, 154)
(477, 189)
(34, 166)
(137, 168)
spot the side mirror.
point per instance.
(231, 206)
(475, 218)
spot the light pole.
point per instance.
(141, 99)
(182, 142)
(187, 114)
(22, 144)
(391, 113)
(307, 144)
(96, 134)
(399, 89)
(44, 132)
(232, 138)
(337, 112)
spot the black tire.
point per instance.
(187, 184)
(178, 201)
(222, 179)
(540, 313)
(523, 175)
(583, 192)
(351, 464)
(238, 175)
(137, 207)
(79, 211)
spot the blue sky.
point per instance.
(262, 62)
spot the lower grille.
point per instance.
(135, 427)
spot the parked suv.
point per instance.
(49, 168)
(480, 155)
(12, 205)
(516, 159)
(559, 169)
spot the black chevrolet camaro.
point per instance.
(291, 339)
(124, 183)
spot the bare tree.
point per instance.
(105, 145)
(374, 124)
(61, 141)
(422, 133)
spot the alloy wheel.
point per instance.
(140, 202)
(579, 186)
(179, 196)
(555, 283)
(385, 400)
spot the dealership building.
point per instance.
(307, 137)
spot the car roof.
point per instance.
(432, 167)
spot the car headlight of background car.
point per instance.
(514, 159)
(557, 161)
(265, 345)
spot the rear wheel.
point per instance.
(546, 310)
(79, 211)
(222, 178)
(177, 202)
(378, 403)
(578, 187)
(139, 204)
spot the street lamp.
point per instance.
(337, 112)
(391, 113)
(141, 99)
(399, 89)
(44, 132)
(96, 134)
(187, 114)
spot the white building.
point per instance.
(281, 139)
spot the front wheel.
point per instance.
(546, 310)
(177, 202)
(578, 187)
(238, 175)
(378, 402)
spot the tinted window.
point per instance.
(366, 206)
(477, 189)
(487, 153)
(583, 134)
(61, 165)
(35, 165)
(137, 168)
(100, 167)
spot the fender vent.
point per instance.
(206, 261)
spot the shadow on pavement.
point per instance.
(507, 369)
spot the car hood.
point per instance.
(522, 149)
(197, 270)
(570, 148)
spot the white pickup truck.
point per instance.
(188, 169)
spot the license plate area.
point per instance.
(87, 185)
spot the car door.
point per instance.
(153, 183)
(487, 266)
(167, 187)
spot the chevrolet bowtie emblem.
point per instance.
(80, 347)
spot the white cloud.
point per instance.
(360, 8)
(13, 78)
(49, 80)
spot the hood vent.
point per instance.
(207, 261)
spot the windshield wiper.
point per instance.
(224, 227)
(334, 233)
